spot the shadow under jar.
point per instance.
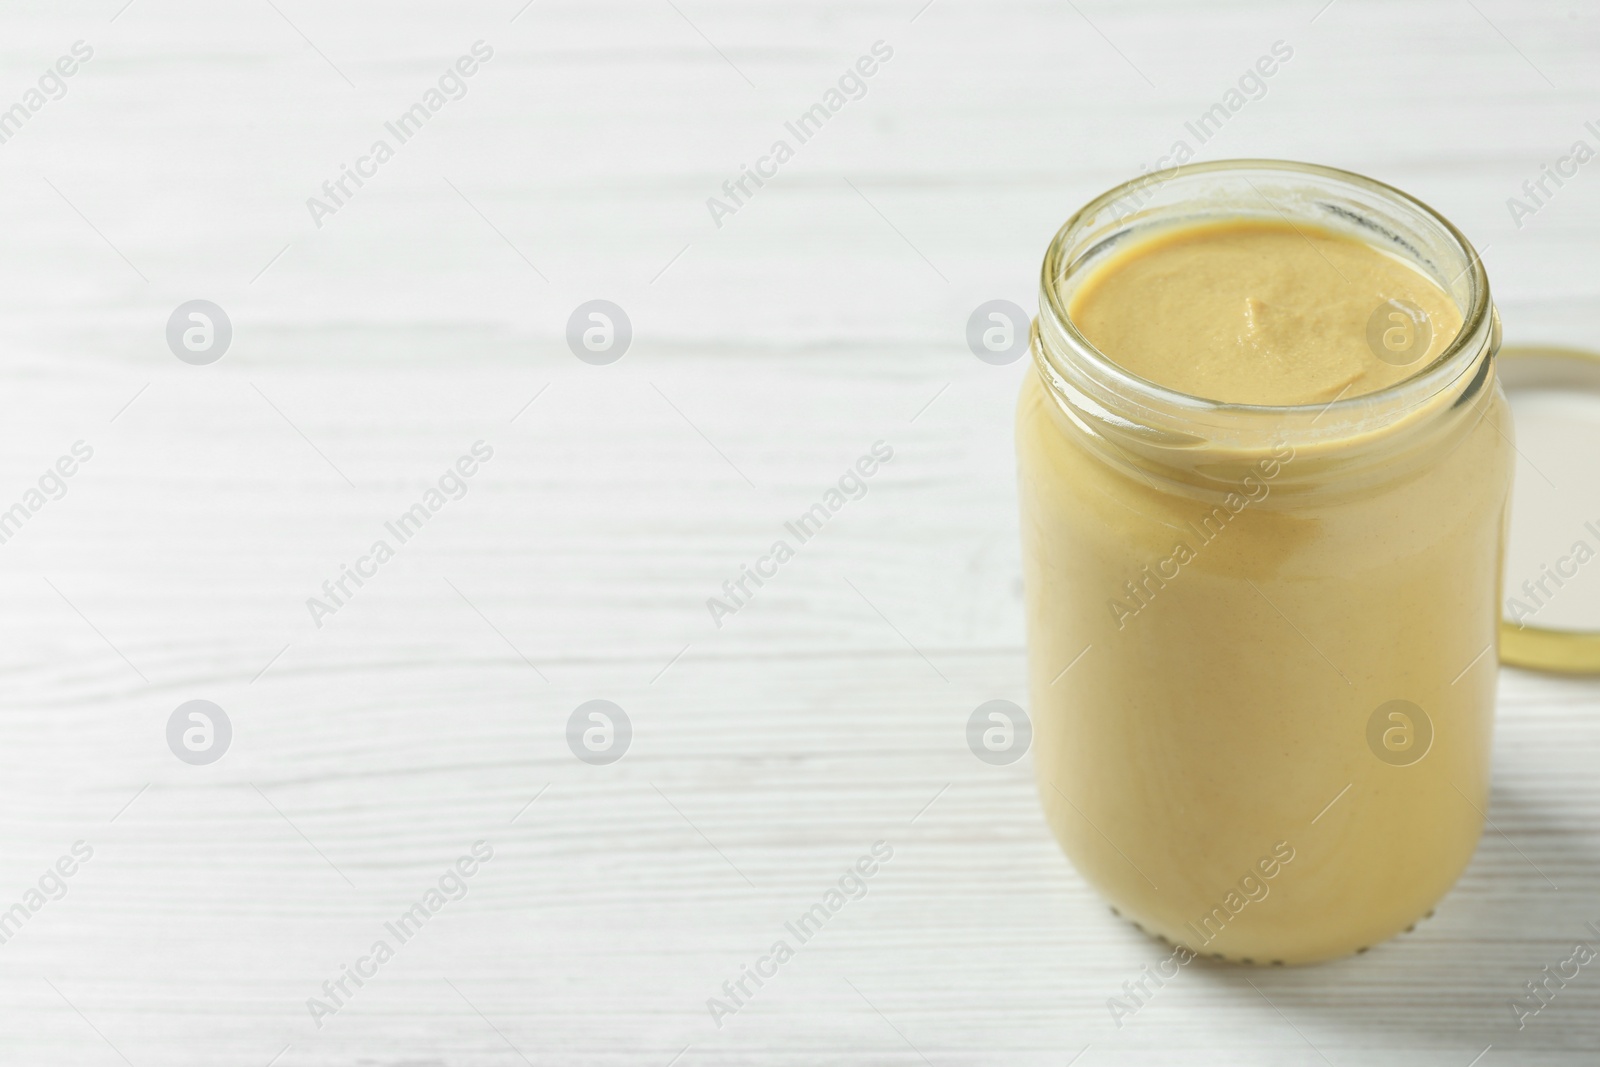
(1277, 748)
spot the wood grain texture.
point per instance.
(769, 354)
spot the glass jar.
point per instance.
(1262, 640)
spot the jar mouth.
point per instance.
(1308, 193)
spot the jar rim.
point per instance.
(1455, 359)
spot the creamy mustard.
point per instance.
(1253, 312)
(1263, 680)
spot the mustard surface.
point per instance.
(1262, 313)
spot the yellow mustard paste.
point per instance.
(1263, 716)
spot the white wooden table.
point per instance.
(767, 755)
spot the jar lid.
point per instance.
(1551, 610)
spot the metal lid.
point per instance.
(1551, 609)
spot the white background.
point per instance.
(768, 355)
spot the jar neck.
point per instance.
(1204, 446)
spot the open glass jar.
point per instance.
(1262, 640)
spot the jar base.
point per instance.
(1246, 961)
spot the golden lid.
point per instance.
(1558, 390)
